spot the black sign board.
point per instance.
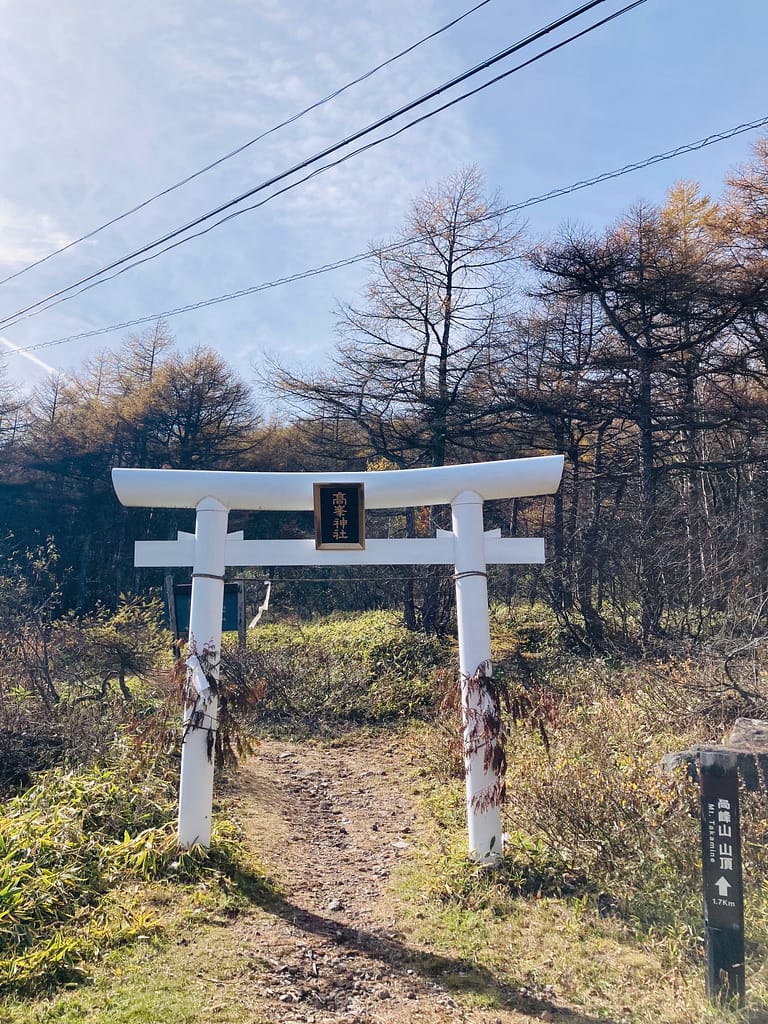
(721, 870)
(233, 612)
(339, 517)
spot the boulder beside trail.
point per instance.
(748, 739)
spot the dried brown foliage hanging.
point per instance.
(488, 704)
(227, 740)
(484, 698)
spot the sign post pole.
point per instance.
(721, 871)
(483, 798)
(200, 706)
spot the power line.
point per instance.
(556, 193)
(324, 167)
(240, 149)
(329, 150)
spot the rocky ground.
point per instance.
(331, 824)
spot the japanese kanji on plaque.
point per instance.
(339, 517)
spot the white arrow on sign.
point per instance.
(723, 885)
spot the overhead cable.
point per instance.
(302, 165)
(556, 193)
(240, 149)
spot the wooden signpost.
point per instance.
(721, 875)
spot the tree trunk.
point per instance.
(651, 601)
(593, 624)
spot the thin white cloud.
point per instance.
(26, 235)
(180, 84)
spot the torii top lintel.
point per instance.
(292, 492)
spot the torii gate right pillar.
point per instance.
(483, 803)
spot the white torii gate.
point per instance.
(211, 549)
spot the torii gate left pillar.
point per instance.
(468, 547)
(200, 723)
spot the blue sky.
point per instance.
(106, 103)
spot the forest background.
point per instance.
(640, 353)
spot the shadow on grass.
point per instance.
(249, 884)
(454, 975)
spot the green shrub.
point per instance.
(106, 647)
(72, 848)
(378, 639)
(369, 668)
(69, 687)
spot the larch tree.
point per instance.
(144, 405)
(194, 413)
(550, 395)
(663, 285)
(408, 379)
(409, 358)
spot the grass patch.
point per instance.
(537, 953)
(87, 859)
(320, 676)
(179, 980)
(597, 904)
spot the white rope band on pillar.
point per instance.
(198, 721)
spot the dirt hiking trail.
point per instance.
(331, 824)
